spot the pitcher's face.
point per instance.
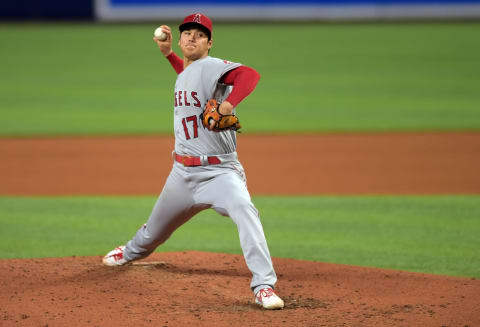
(194, 43)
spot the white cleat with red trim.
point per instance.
(115, 257)
(267, 298)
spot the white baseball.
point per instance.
(159, 34)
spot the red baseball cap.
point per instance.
(197, 19)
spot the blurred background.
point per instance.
(354, 65)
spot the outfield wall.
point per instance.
(134, 10)
(228, 10)
(46, 10)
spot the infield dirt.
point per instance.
(435, 163)
(206, 289)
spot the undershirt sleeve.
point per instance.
(244, 80)
(176, 62)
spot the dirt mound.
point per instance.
(207, 289)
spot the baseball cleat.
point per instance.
(267, 298)
(115, 257)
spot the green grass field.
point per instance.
(436, 234)
(98, 79)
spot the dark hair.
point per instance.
(188, 26)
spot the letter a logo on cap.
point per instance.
(197, 18)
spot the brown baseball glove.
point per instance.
(222, 122)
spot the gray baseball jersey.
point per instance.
(194, 87)
(191, 189)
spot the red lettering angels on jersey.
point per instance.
(187, 99)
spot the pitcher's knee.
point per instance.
(243, 207)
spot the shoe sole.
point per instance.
(276, 306)
(107, 263)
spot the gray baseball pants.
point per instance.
(189, 190)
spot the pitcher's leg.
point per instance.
(253, 242)
(229, 196)
(173, 208)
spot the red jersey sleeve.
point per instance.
(176, 62)
(244, 80)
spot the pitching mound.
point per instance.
(207, 289)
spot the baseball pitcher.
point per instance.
(206, 172)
